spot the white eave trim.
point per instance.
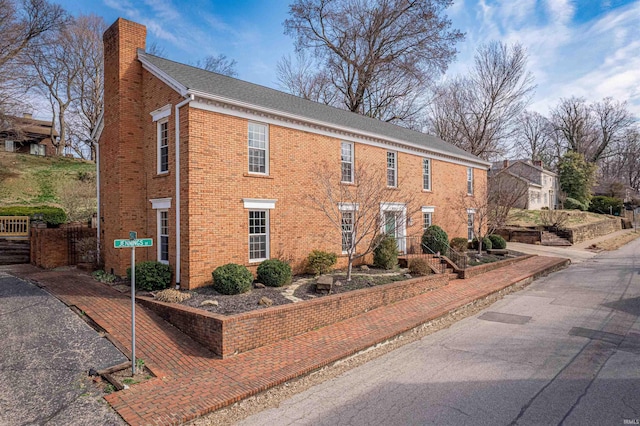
(428, 209)
(259, 203)
(162, 112)
(164, 77)
(471, 211)
(160, 203)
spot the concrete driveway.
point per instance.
(45, 354)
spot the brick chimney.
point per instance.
(505, 163)
(537, 163)
(122, 191)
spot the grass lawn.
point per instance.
(29, 179)
(529, 218)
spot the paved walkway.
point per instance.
(191, 381)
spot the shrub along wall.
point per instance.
(228, 335)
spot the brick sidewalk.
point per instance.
(191, 381)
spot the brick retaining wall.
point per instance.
(481, 269)
(229, 335)
(50, 246)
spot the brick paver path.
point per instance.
(191, 381)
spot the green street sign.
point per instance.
(141, 242)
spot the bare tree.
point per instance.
(490, 206)
(534, 136)
(478, 112)
(219, 64)
(591, 129)
(301, 77)
(361, 47)
(88, 88)
(354, 209)
(23, 24)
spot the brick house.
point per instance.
(28, 135)
(542, 184)
(217, 170)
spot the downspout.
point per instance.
(181, 104)
(98, 200)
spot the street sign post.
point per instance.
(132, 243)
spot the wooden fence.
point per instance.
(14, 226)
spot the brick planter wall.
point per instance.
(228, 335)
(481, 269)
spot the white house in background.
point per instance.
(542, 184)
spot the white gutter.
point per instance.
(181, 104)
(98, 200)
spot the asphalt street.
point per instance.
(46, 352)
(565, 351)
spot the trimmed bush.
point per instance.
(419, 266)
(274, 273)
(232, 279)
(53, 216)
(151, 275)
(435, 240)
(573, 204)
(497, 242)
(459, 244)
(486, 244)
(320, 262)
(606, 205)
(385, 255)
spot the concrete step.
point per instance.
(551, 239)
(14, 252)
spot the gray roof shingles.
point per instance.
(220, 85)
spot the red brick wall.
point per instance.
(50, 246)
(214, 178)
(226, 335)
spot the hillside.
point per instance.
(30, 180)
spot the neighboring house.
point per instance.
(542, 184)
(219, 170)
(28, 135)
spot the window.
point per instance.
(347, 230)
(163, 146)
(392, 169)
(8, 146)
(469, 180)
(258, 148)
(427, 216)
(258, 235)
(470, 225)
(426, 174)
(163, 236)
(346, 157)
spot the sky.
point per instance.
(584, 48)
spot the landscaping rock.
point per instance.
(209, 303)
(338, 283)
(408, 276)
(265, 301)
(324, 284)
(259, 285)
(325, 279)
(364, 268)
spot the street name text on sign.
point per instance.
(141, 242)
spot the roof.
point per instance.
(189, 79)
(497, 166)
(33, 126)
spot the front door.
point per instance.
(394, 226)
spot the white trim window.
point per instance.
(347, 221)
(469, 180)
(8, 146)
(427, 217)
(163, 236)
(258, 235)
(392, 169)
(346, 162)
(258, 148)
(426, 174)
(470, 224)
(163, 145)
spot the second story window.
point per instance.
(470, 180)
(346, 158)
(426, 174)
(258, 148)
(163, 146)
(392, 169)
